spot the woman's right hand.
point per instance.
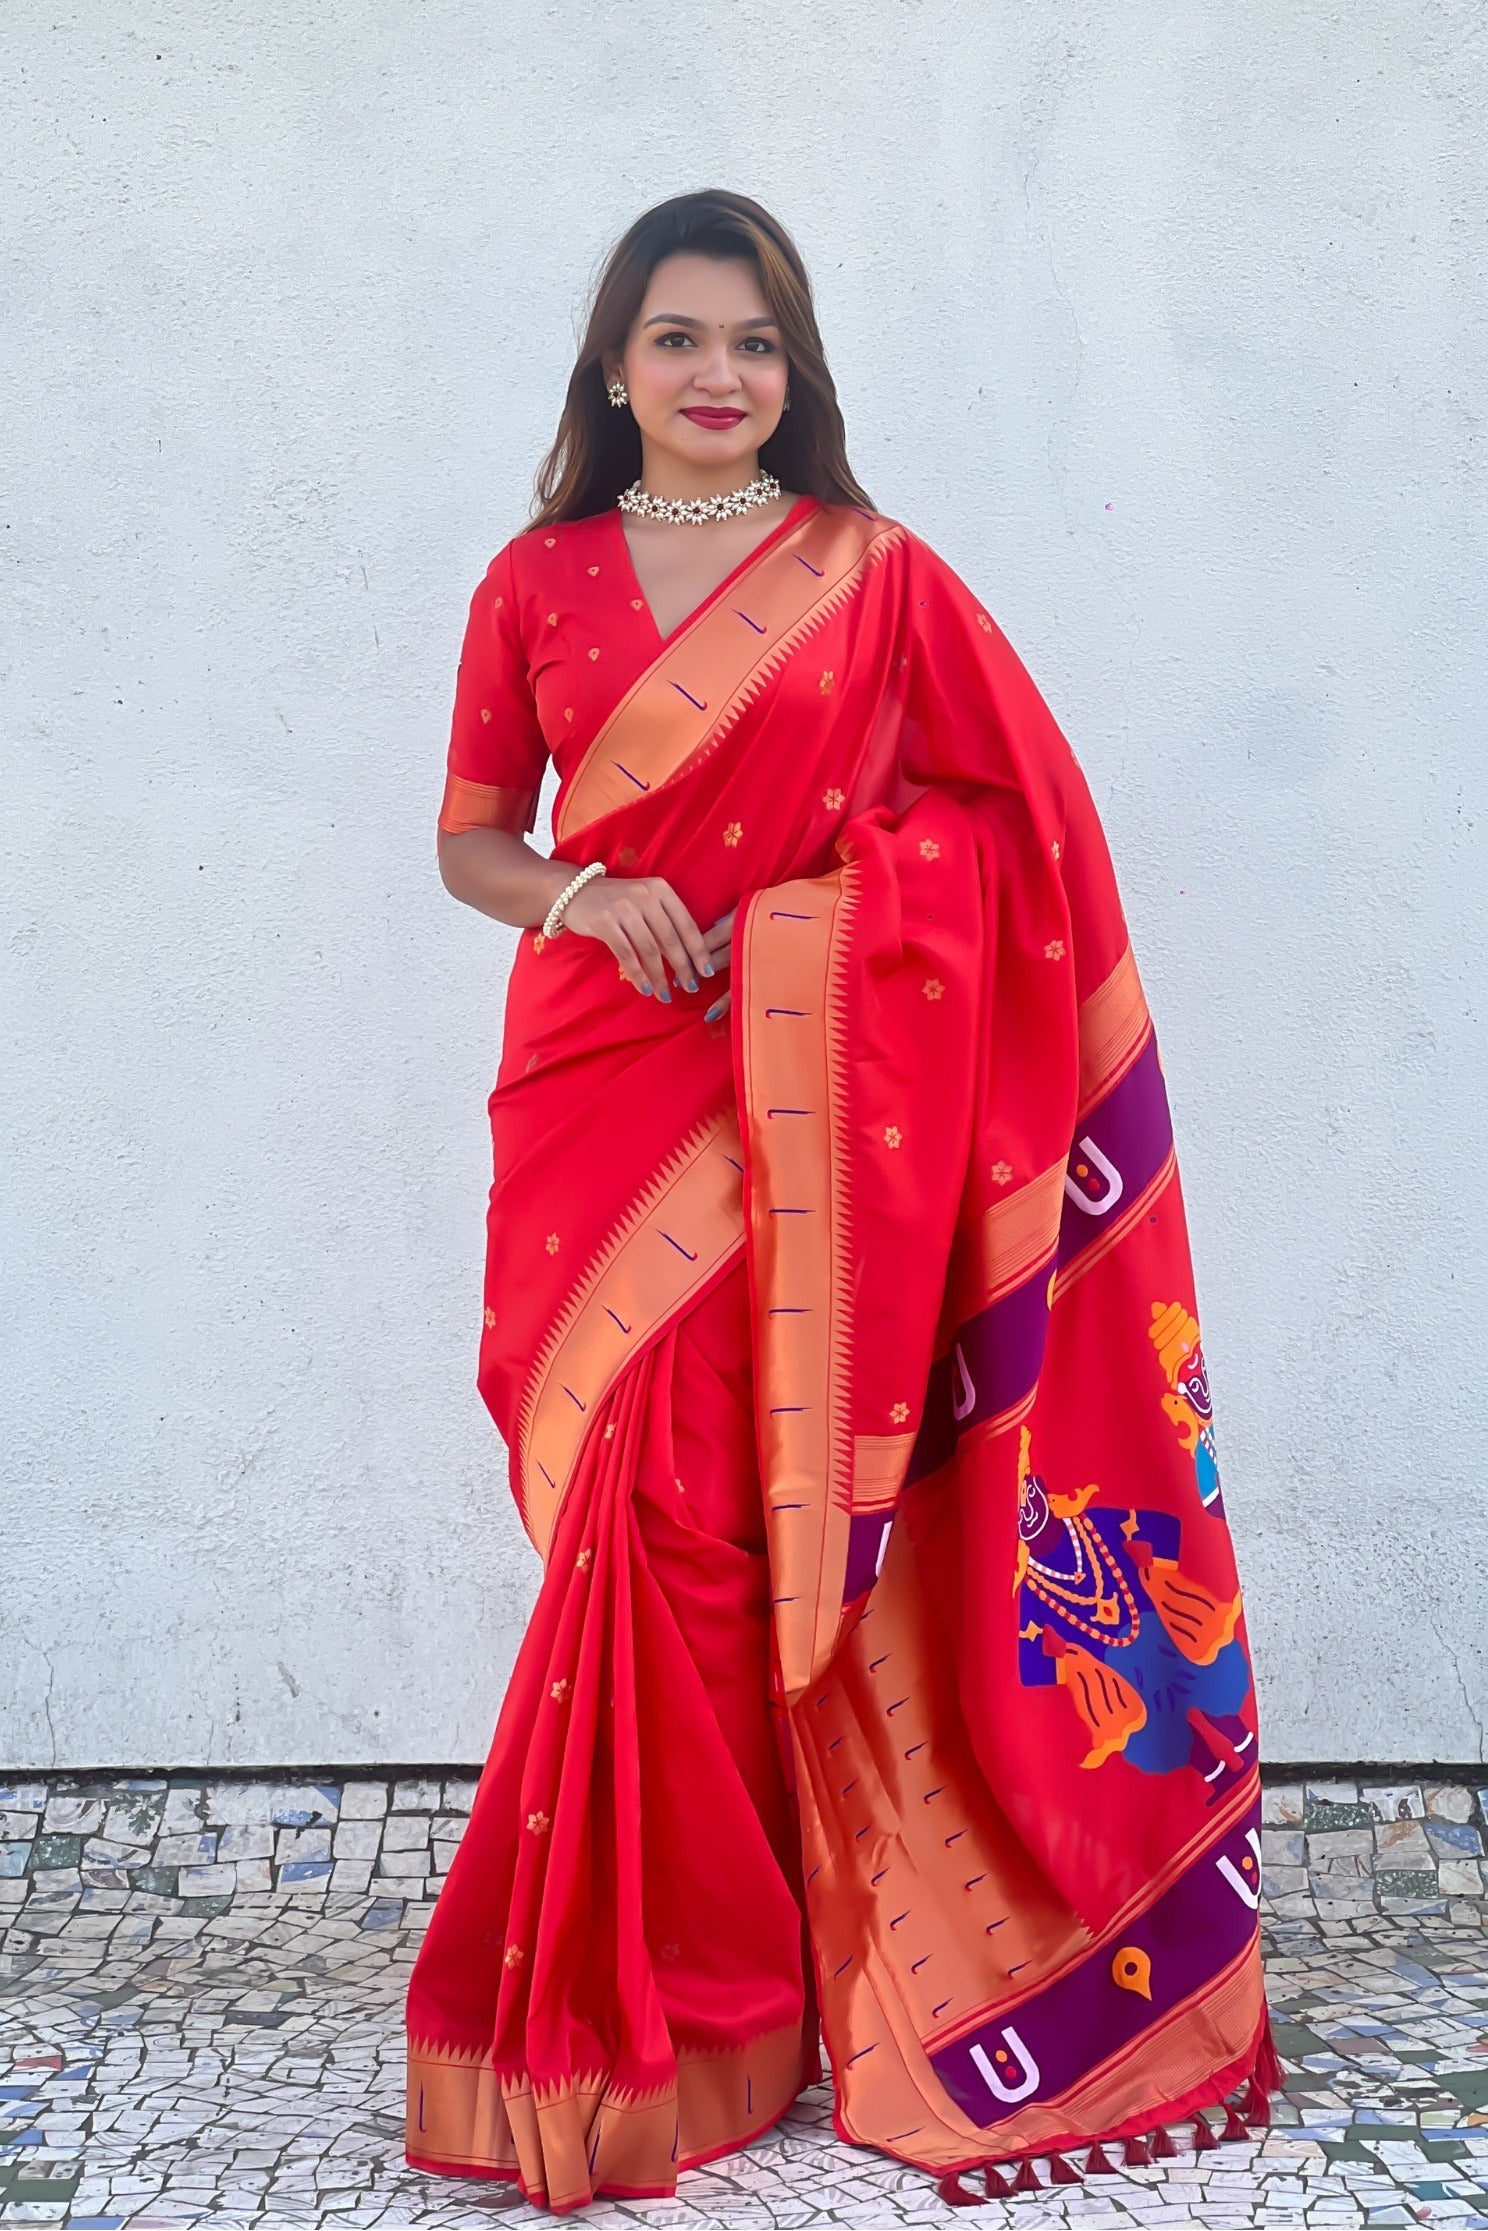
(645, 925)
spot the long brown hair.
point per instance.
(597, 452)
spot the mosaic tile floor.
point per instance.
(170, 2056)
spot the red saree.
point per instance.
(888, 1671)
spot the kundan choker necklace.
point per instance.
(696, 511)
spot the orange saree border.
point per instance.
(793, 948)
(683, 1226)
(486, 805)
(716, 665)
(563, 2142)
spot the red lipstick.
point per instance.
(702, 416)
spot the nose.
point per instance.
(715, 376)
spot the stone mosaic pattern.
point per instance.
(201, 2019)
(191, 1844)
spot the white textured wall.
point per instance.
(1164, 322)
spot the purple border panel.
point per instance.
(1131, 1132)
(1061, 2036)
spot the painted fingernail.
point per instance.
(645, 987)
(664, 996)
(707, 968)
(712, 1014)
(692, 983)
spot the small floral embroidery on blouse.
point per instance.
(834, 800)
(538, 1824)
(626, 856)
(594, 653)
(513, 1956)
(497, 602)
(899, 1412)
(609, 1431)
(1054, 950)
(984, 622)
(548, 541)
(486, 714)
(892, 1134)
(828, 682)
(1002, 1173)
(637, 603)
(538, 941)
(559, 1692)
(490, 1319)
(1054, 848)
(733, 832)
(932, 987)
(592, 571)
(929, 849)
(681, 1490)
(552, 1243)
(568, 712)
(584, 1560)
(552, 619)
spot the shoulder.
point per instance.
(536, 564)
(553, 551)
(889, 535)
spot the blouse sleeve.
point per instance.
(497, 753)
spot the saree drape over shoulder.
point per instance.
(888, 1679)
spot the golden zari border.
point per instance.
(880, 1461)
(486, 805)
(1113, 1023)
(564, 2142)
(1001, 1248)
(676, 1234)
(792, 955)
(695, 690)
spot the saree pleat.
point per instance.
(888, 1676)
(604, 2018)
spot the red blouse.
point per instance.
(558, 632)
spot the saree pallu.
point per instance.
(888, 1673)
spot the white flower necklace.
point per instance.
(696, 511)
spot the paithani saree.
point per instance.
(887, 1687)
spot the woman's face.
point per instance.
(704, 364)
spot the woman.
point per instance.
(887, 1677)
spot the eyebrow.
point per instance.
(668, 317)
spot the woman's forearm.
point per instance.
(500, 875)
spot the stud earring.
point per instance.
(617, 393)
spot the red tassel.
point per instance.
(1268, 2071)
(1162, 2145)
(1204, 2137)
(1062, 2172)
(998, 2187)
(1097, 2165)
(1234, 2127)
(954, 2193)
(1137, 2156)
(1027, 2178)
(1256, 2107)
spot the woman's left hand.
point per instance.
(717, 940)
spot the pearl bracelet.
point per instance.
(552, 926)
